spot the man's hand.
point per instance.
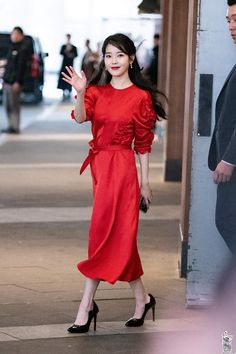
(223, 172)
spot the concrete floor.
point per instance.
(44, 219)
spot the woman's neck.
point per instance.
(121, 82)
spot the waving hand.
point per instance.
(78, 82)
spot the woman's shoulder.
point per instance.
(141, 94)
(96, 89)
(134, 91)
(91, 88)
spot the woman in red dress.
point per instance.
(123, 109)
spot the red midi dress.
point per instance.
(119, 117)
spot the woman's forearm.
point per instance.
(80, 112)
(144, 168)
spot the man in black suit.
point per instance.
(222, 154)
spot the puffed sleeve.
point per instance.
(144, 124)
(90, 98)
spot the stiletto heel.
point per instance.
(153, 313)
(85, 328)
(95, 322)
(137, 322)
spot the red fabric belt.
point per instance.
(94, 150)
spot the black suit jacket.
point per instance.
(17, 58)
(223, 143)
(68, 57)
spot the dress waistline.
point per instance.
(94, 150)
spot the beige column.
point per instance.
(176, 79)
(187, 133)
(172, 80)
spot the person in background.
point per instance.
(152, 70)
(69, 53)
(13, 79)
(97, 57)
(89, 61)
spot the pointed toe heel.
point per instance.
(92, 315)
(137, 322)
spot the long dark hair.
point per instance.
(126, 45)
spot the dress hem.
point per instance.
(110, 281)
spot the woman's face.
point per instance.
(116, 62)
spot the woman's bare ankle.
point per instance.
(83, 313)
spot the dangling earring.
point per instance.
(131, 66)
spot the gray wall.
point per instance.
(207, 254)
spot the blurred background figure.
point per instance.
(144, 53)
(152, 70)
(97, 56)
(89, 61)
(16, 63)
(69, 53)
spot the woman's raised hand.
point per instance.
(76, 81)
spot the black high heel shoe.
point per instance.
(137, 322)
(85, 328)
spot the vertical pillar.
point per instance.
(187, 133)
(172, 81)
(164, 48)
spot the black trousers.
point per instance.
(225, 215)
